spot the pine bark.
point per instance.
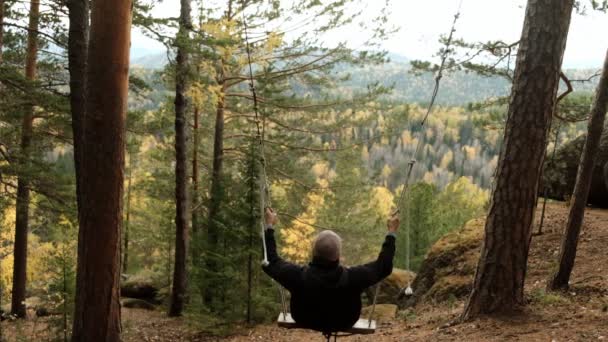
(582, 186)
(78, 13)
(181, 174)
(1, 28)
(23, 182)
(97, 307)
(499, 280)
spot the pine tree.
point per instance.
(23, 182)
(578, 202)
(499, 280)
(97, 308)
(182, 221)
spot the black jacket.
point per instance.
(327, 296)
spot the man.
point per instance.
(326, 296)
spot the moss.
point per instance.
(449, 267)
(465, 238)
(450, 287)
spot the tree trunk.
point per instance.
(195, 172)
(1, 27)
(125, 250)
(77, 61)
(23, 183)
(181, 160)
(499, 280)
(213, 233)
(97, 308)
(583, 183)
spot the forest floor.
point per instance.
(580, 314)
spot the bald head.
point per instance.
(327, 246)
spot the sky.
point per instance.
(421, 22)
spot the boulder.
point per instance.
(560, 172)
(383, 312)
(135, 287)
(134, 303)
(391, 287)
(449, 267)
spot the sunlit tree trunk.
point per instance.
(181, 177)
(97, 307)
(23, 182)
(499, 280)
(578, 202)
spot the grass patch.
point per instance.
(541, 296)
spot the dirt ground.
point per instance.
(581, 314)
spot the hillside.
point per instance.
(457, 89)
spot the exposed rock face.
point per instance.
(140, 289)
(391, 287)
(560, 172)
(383, 312)
(447, 271)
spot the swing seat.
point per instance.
(362, 327)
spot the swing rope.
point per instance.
(265, 201)
(420, 134)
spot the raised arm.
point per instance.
(285, 273)
(364, 276)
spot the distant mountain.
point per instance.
(457, 89)
(150, 61)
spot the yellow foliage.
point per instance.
(38, 255)
(446, 160)
(466, 193)
(470, 152)
(320, 170)
(297, 237)
(428, 177)
(382, 201)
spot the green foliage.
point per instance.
(428, 214)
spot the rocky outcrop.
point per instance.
(447, 271)
(391, 287)
(560, 172)
(140, 289)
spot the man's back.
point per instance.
(325, 301)
(326, 296)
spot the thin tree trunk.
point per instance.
(195, 171)
(181, 174)
(97, 308)
(253, 208)
(578, 201)
(499, 280)
(125, 251)
(78, 39)
(1, 27)
(23, 182)
(213, 233)
(546, 189)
